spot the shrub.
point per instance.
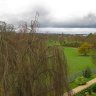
(89, 90)
(87, 72)
(81, 80)
(84, 49)
(94, 88)
(93, 76)
(70, 43)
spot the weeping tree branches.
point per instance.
(30, 68)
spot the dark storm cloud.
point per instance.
(45, 19)
(88, 21)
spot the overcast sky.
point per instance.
(52, 13)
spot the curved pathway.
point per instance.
(82, 87)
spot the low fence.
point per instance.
(78, 74)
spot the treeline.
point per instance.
(77, 41)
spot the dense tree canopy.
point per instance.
(85, 48)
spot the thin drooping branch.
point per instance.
(27, 68)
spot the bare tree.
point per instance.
(2, 26)
(10, 28)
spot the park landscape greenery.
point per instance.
(80, 62)
(32, 64)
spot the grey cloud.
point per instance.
(45, 19)
(17, 19)
(88, 21)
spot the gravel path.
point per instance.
(82, 87)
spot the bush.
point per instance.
(94, 88)
(85, 48)
(70, 43)
(81, 80)
(93, 76)
(87, 72)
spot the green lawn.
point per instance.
(52, 43)
(76, 62)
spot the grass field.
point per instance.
(52, 43)
(76, 62)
